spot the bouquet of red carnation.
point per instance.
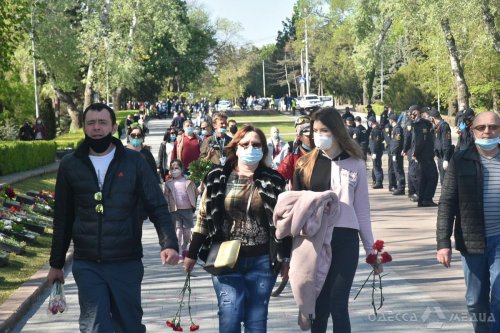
(175, 323)
(57, 301)
(374, 260)
(7, 192)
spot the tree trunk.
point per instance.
(89, 92)
(117, 98)
(71, 108)
(495, 96)
(489, 21)
(366, 99)
(370, 78)
(376, 50)
(456, 66)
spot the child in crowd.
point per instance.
(181, 195)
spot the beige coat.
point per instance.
(309, 217)
(168, 192)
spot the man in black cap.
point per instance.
(377, 149)
(443, 147)
(396, 149)
(350, 126)
(423, 154)
(384, 117)
(369, 113)
(413, 170)
(465, 139)
(361, 136)
(347, 113)
(390, 167)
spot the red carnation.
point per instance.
(169, 323)
(194, 327)
(386, 257)
(378, 245)
(371, 258)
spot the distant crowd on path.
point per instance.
(243, 198)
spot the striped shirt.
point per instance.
(491, 194)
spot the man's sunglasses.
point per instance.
(482, 128)
(136, 136)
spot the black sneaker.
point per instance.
(398, 192)
(377, 186)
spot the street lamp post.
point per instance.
(307, 60)
(32, 35)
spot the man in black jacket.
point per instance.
(443, 147)
(469, 208)
(396, 149)
(98, 191)
(376, 143)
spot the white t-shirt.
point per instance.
(101, 164)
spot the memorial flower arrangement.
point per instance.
(175, 323)
(7, 192)
(376, 259)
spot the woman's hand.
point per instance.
(189, 264)
(378, 268)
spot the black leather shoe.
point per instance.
(377, 186)
(392, 189)
(398, 192)
(427, 204)
(414, 198)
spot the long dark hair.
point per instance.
(232, 146)
(331, 118)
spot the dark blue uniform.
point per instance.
(390, 167)
(423, 151)
(361, 137)
(396, 148)
(384, 119)
(377, 147)
(413, 170)
(443, 148)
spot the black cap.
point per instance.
(349, 118)
(433, 112)
(372, 119)
(393, 116)
(414, 108)
(357, 118)
(468, 113)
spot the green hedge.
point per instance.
(21, 156)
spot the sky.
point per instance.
(260, 19)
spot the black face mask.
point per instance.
(233, 129)
(99, 145)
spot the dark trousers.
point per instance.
(413, 177)
(428, 180)
(110, 296)
(441, 170)
(391, 174)
(399, 171)
(377, 173)
(333, 299)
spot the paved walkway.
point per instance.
(420, 295)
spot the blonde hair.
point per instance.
(333, 121)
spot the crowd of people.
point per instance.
(27, 132)
(242, 198)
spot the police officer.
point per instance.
(413, 170)
(396, 149)
(377, 149)
(443, 147)
(347, 113)
(350, 126)
(465, 139)
(423, 154)
(369, 114)
(361, 136)
(390, 167)
(384, 117)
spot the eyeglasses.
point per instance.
(482, 128)
(135, 136)
(253, 144)
(203, 128)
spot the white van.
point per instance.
(327, 101)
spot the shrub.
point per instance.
(25, 155)
(9, 131)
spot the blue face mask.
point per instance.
(189, 130)
(204, 132)
(222, 131)
(136, 142)
(276, 135)
(487, 144)
(172, 137)
(250, 156)
(306, 147)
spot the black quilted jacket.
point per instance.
(115, 234)
(461, 204)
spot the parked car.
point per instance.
(224, 105)
(308, 103)
(327, 101)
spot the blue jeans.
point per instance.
(482, 280)
(110, 296)
(243, 295)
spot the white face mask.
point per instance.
(323, 142)
(176, 173)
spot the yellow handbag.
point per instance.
(222, 257)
